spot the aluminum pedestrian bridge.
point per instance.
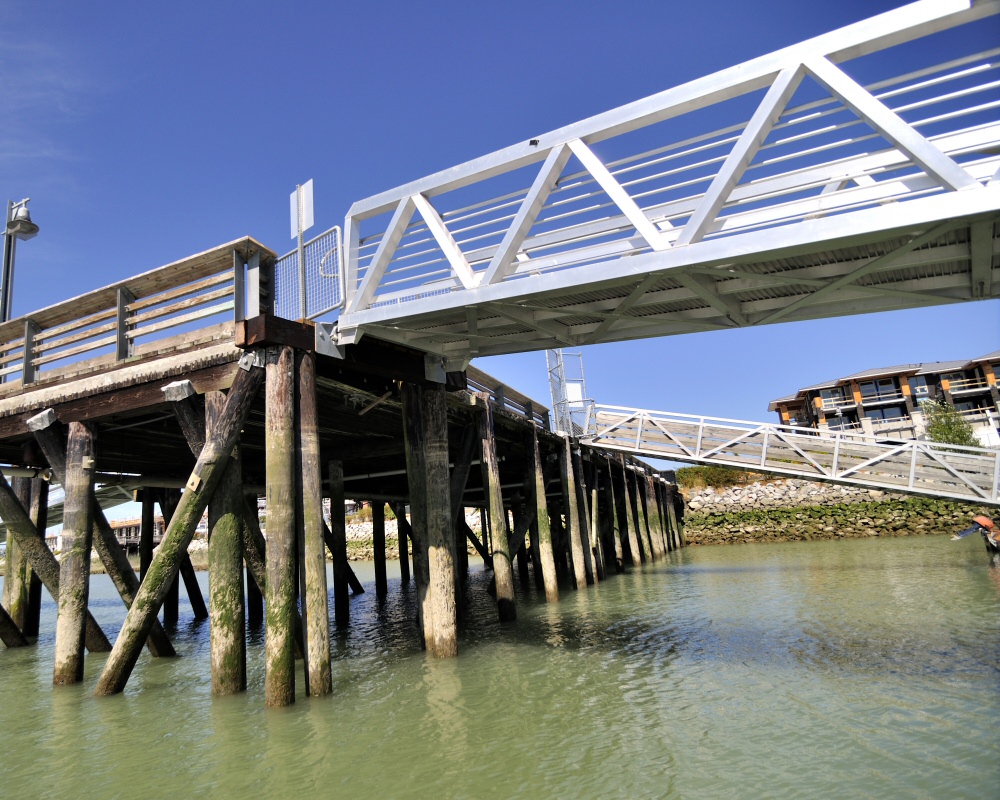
(858, 171)
(913, 467)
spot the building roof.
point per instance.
(924, 368)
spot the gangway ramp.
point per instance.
(913, 467)
(855, 172)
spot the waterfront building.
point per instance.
(886, 401)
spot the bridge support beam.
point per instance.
(74, 568)
(573, 510)
(32, 544)
(502, 569)
(204, 477)
(581, 503)
(17, 575)
(225, 569)
(546, 559)
(50, 436)
(426, 433)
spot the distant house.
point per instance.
(886, 401)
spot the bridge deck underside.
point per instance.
(637, 300)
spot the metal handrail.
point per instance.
(940, 470)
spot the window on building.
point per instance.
(841, 423)
(878, 389)
(888, 413)
(919, 387)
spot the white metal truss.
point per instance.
(923, 468)
(838, 187)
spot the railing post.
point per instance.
(763, 449)
(836, 454)
(260, 283)
(239, 287)
(124, 346)
(28, 374)
(913, 465)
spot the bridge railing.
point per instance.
(966, 473)
(174, 307)
(810, 131)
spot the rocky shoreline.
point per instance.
(797, 510)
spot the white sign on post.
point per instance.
(301, 208)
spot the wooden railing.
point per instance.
(506, 398)
(178, 305)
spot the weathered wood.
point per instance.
(254, 549)
(39, 511)
(545, 556)
(180, 395)
(596, 547)
(18, 574)
(74, 568)
(502, 567)
(517, 544)
(403, 532)
(32, 544)
(573, 516)
(225, 568)
(614, 537)
(629, 539)
(636, 528)
(338, 544)
(581, 504)
(279, 443)
(49, 434)
(313, 569)
(10, 634)
(147, 530)
(413, 435)
(436, 541)
(470, 536)
(652, 517)
(378, 542)
(459, 479)
(204, 478)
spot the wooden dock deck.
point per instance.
(182, 386)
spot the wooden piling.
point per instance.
(201, 484)
(426, 435)
(545, 556)
(32, 544)
(74, 568)
(10, 634)
(614, 529)
(403, 534)
(18, 573)
(49, 435)
(502, 568)
(254, 555)
(338, 545)
(225, 569)
(572, 507)
(630, 539)
(581, 504)
(518, 545)
(147, 530)
(314, 602)
(378, 543)
(653, 518)
(39, 511)
(279, 443)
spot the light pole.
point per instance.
(19, 226)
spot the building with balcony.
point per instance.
(886, 401)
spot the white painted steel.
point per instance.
(799, 209)
(913, 467)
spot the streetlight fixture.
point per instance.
(19, 226)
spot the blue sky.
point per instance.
(147, 132)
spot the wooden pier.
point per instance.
(182, 387)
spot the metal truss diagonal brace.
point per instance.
(767, 113)
(930, 159)
(383, 255)
(635, 215)
(704, 287)
(502, 264)
(446, 242)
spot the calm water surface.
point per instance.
(862, 668)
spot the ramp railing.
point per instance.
(914, 467)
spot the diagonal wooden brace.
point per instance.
(10, 634)
(40, 558)
(50, 435)
(204, 478)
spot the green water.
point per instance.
(860, 668)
